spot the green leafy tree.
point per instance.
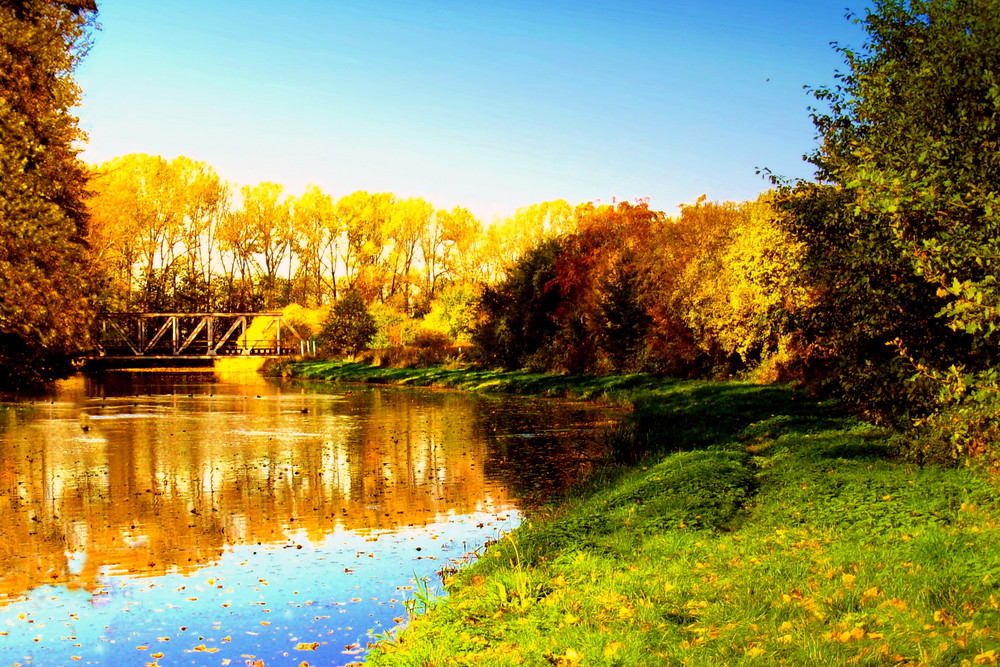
(910, 139)
(350, 326)
(45, 278)
(517, 316)
(623, 320)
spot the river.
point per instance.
(206, 519)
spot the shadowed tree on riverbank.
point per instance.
(45, 277)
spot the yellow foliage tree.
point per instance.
(735, 294)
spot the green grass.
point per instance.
(472, 379)
(760, 527)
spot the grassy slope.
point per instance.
(767, 529)
(508, 382)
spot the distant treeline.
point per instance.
(172, 236)
(586, 288)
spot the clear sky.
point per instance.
(490, 105)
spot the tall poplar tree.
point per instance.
(45, 276)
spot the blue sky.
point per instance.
(489, 105)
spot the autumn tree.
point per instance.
(266, 217)
(114, 232)
(739, 290)
(45, 277)
(405, 226)
(236, 249)
(315, 244)
(446, 247)
(600, 282)
(363, 218)
(575, 302)
(506, 241)
(153, 231)
(137, 205)
(204, 203)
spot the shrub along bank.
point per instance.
(760, 527)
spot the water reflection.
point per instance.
(117, 492)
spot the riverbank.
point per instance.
(586, 387)
(762, 528)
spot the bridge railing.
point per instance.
(197, 334)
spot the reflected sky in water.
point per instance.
(201, 519)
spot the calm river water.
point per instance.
(197, 519)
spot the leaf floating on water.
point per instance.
(303, 646)
(201, 648)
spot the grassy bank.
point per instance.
(765, 528)
(469, 379)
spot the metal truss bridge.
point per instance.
(197, 335)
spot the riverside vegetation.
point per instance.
(753, 525)
(756, 526)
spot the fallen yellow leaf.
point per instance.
(201, 648)
(569, 659)
(985, 658)
(611, 649)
